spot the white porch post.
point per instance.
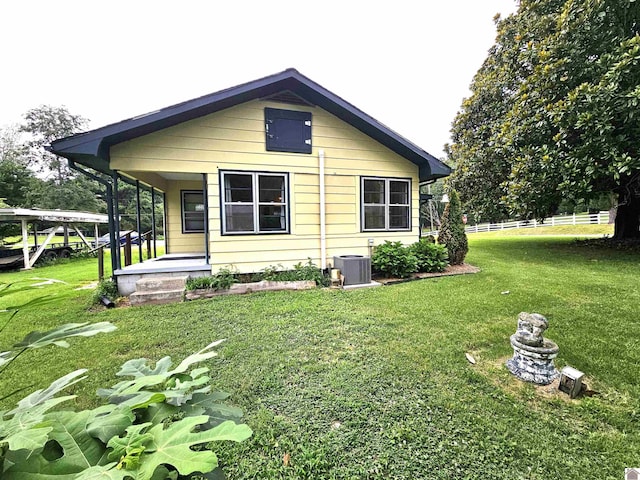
(25, 244)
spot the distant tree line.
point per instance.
(31, 177)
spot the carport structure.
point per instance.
(59, 218)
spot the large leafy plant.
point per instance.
(156, 424)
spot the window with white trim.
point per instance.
(192, 204)
(386, 204)
(254, 202)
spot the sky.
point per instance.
(407, 63)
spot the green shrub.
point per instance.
(220, 281)
(431, 256)
(270, 273)
(105, 288)
(393, 259)
(308, 271)
(451, 232)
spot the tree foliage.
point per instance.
(553, 113)
(43, 125)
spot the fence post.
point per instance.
(476, 228)
(598, 217)
(553, 221)
(535, 223)
(502, 225)
(574, 218)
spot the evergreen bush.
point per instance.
(452, 233)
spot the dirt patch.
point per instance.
(463, 269)
(496, 372)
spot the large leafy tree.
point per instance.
(552, 115)
(16, 180)
(57, 186)
(43, 125)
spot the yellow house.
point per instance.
(274, 171)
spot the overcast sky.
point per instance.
(407, 63)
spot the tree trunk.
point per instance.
(627, 223)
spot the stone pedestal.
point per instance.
(532, 354)
(534, 364)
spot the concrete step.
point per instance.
(154, 284)
(158, 297)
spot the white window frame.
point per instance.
(255, 203)
(183, 211)
(387, 204)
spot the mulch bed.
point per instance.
(463, 269)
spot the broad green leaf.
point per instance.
(40, 396)
(210, 405)
(129, 387)
(139, 368)
(57, 335)
(109, 472)
(200, 356)
(110, 422)
(134, 442)
(172, 446)
(79, 451)
(5, 357)
(136, 400)
(32, 438)
(159, 412)
(104, 472)
(27, 428)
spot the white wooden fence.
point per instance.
(574, 219)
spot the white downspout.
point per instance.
(323, 224)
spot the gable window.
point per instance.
(386, 204)
(192, 204)
(254, 202)
(287, 130)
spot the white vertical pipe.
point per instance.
(25, 245)
(323, 225)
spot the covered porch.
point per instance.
(185, 228)
(165, 266)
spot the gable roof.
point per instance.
(92, 148)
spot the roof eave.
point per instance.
(97, 142)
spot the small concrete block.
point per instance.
(153, 284)
(571, 381)
(157, 298)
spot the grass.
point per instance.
(573, 230)
(374, 383)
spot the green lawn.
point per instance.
(374, 383)
(578, 230)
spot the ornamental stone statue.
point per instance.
(533, 355)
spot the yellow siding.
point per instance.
(178, 242)
(234, 139)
